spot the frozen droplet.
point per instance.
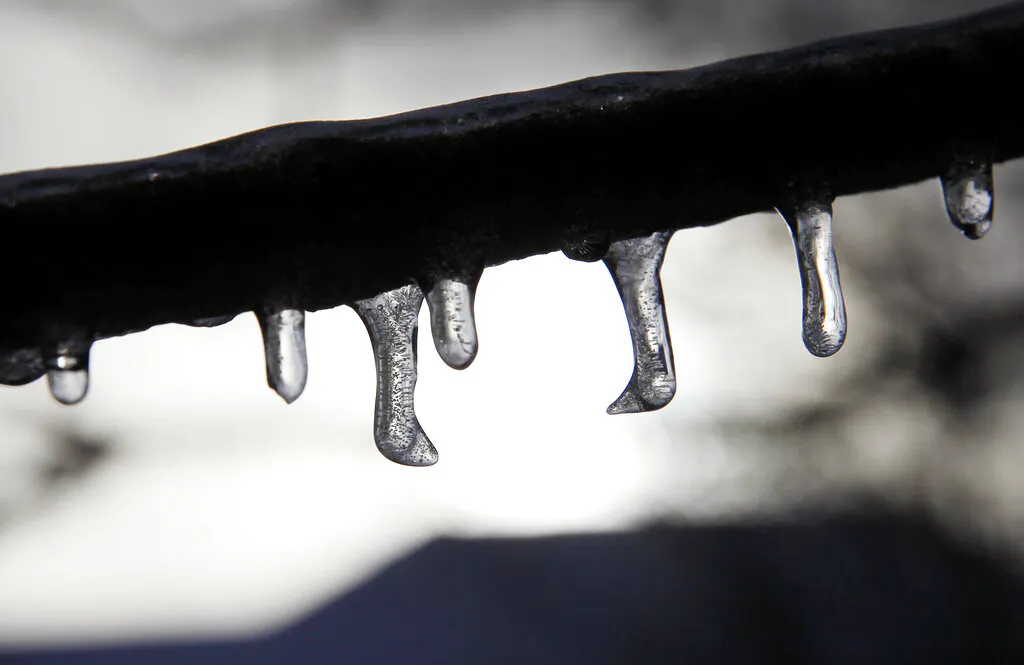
(589, 249)
(67, 372)
(967, 189)
(284, 342)
(391, 320)
(824, 327)
(635, 266)
(451, 321)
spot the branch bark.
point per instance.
(314, 215)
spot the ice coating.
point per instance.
(67, 372)
(635, 266)
(588, 249)
(211, 321)
(284, 343)
(451, 321)
(20, 367)
(824, 316)
(967, 190)
(391, 321)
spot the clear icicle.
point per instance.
(824, 327)
(451, 321)
(635, 266)
(67, 372)
(967, 189)
(391, 321)
(284, 343)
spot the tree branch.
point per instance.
(317, 214)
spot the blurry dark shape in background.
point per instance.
(64, 456)
(881, 589)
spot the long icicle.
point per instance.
(391, 320)
(635, 266)
(824, 311)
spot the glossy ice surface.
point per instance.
(451, 321)
(967, 190)
(824, 324)
(635, 266)
(391, 321)
(284, 341)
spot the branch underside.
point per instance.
(314, 215)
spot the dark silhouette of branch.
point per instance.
(314, 215)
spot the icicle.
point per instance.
(591, 248)
(824, 327)
(284, 343)
(967, 189)
(635, 266)
(67, 371)
(451, 320)
(391, 321)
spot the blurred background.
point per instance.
(183, 501)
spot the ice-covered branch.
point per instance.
(312, 215)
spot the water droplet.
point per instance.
(967, 189)
(284, 343)
(824, 327)
(67, 372)
(20, 367)
(635, 265)
(451, 321)
(391, 320)
(588, 249)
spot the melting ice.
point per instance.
(635, 266)
(451, 320)
(391, 321)
(67, 372)
(967, 190)
(824, 326)
(284, 343)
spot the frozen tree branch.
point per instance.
(313, 215)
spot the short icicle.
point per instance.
(967, 190)
(452, 322)
(284, 343)
(391, 321)
(67, 371)
(635, 266)
(824, 311)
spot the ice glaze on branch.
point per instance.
(311, 215)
